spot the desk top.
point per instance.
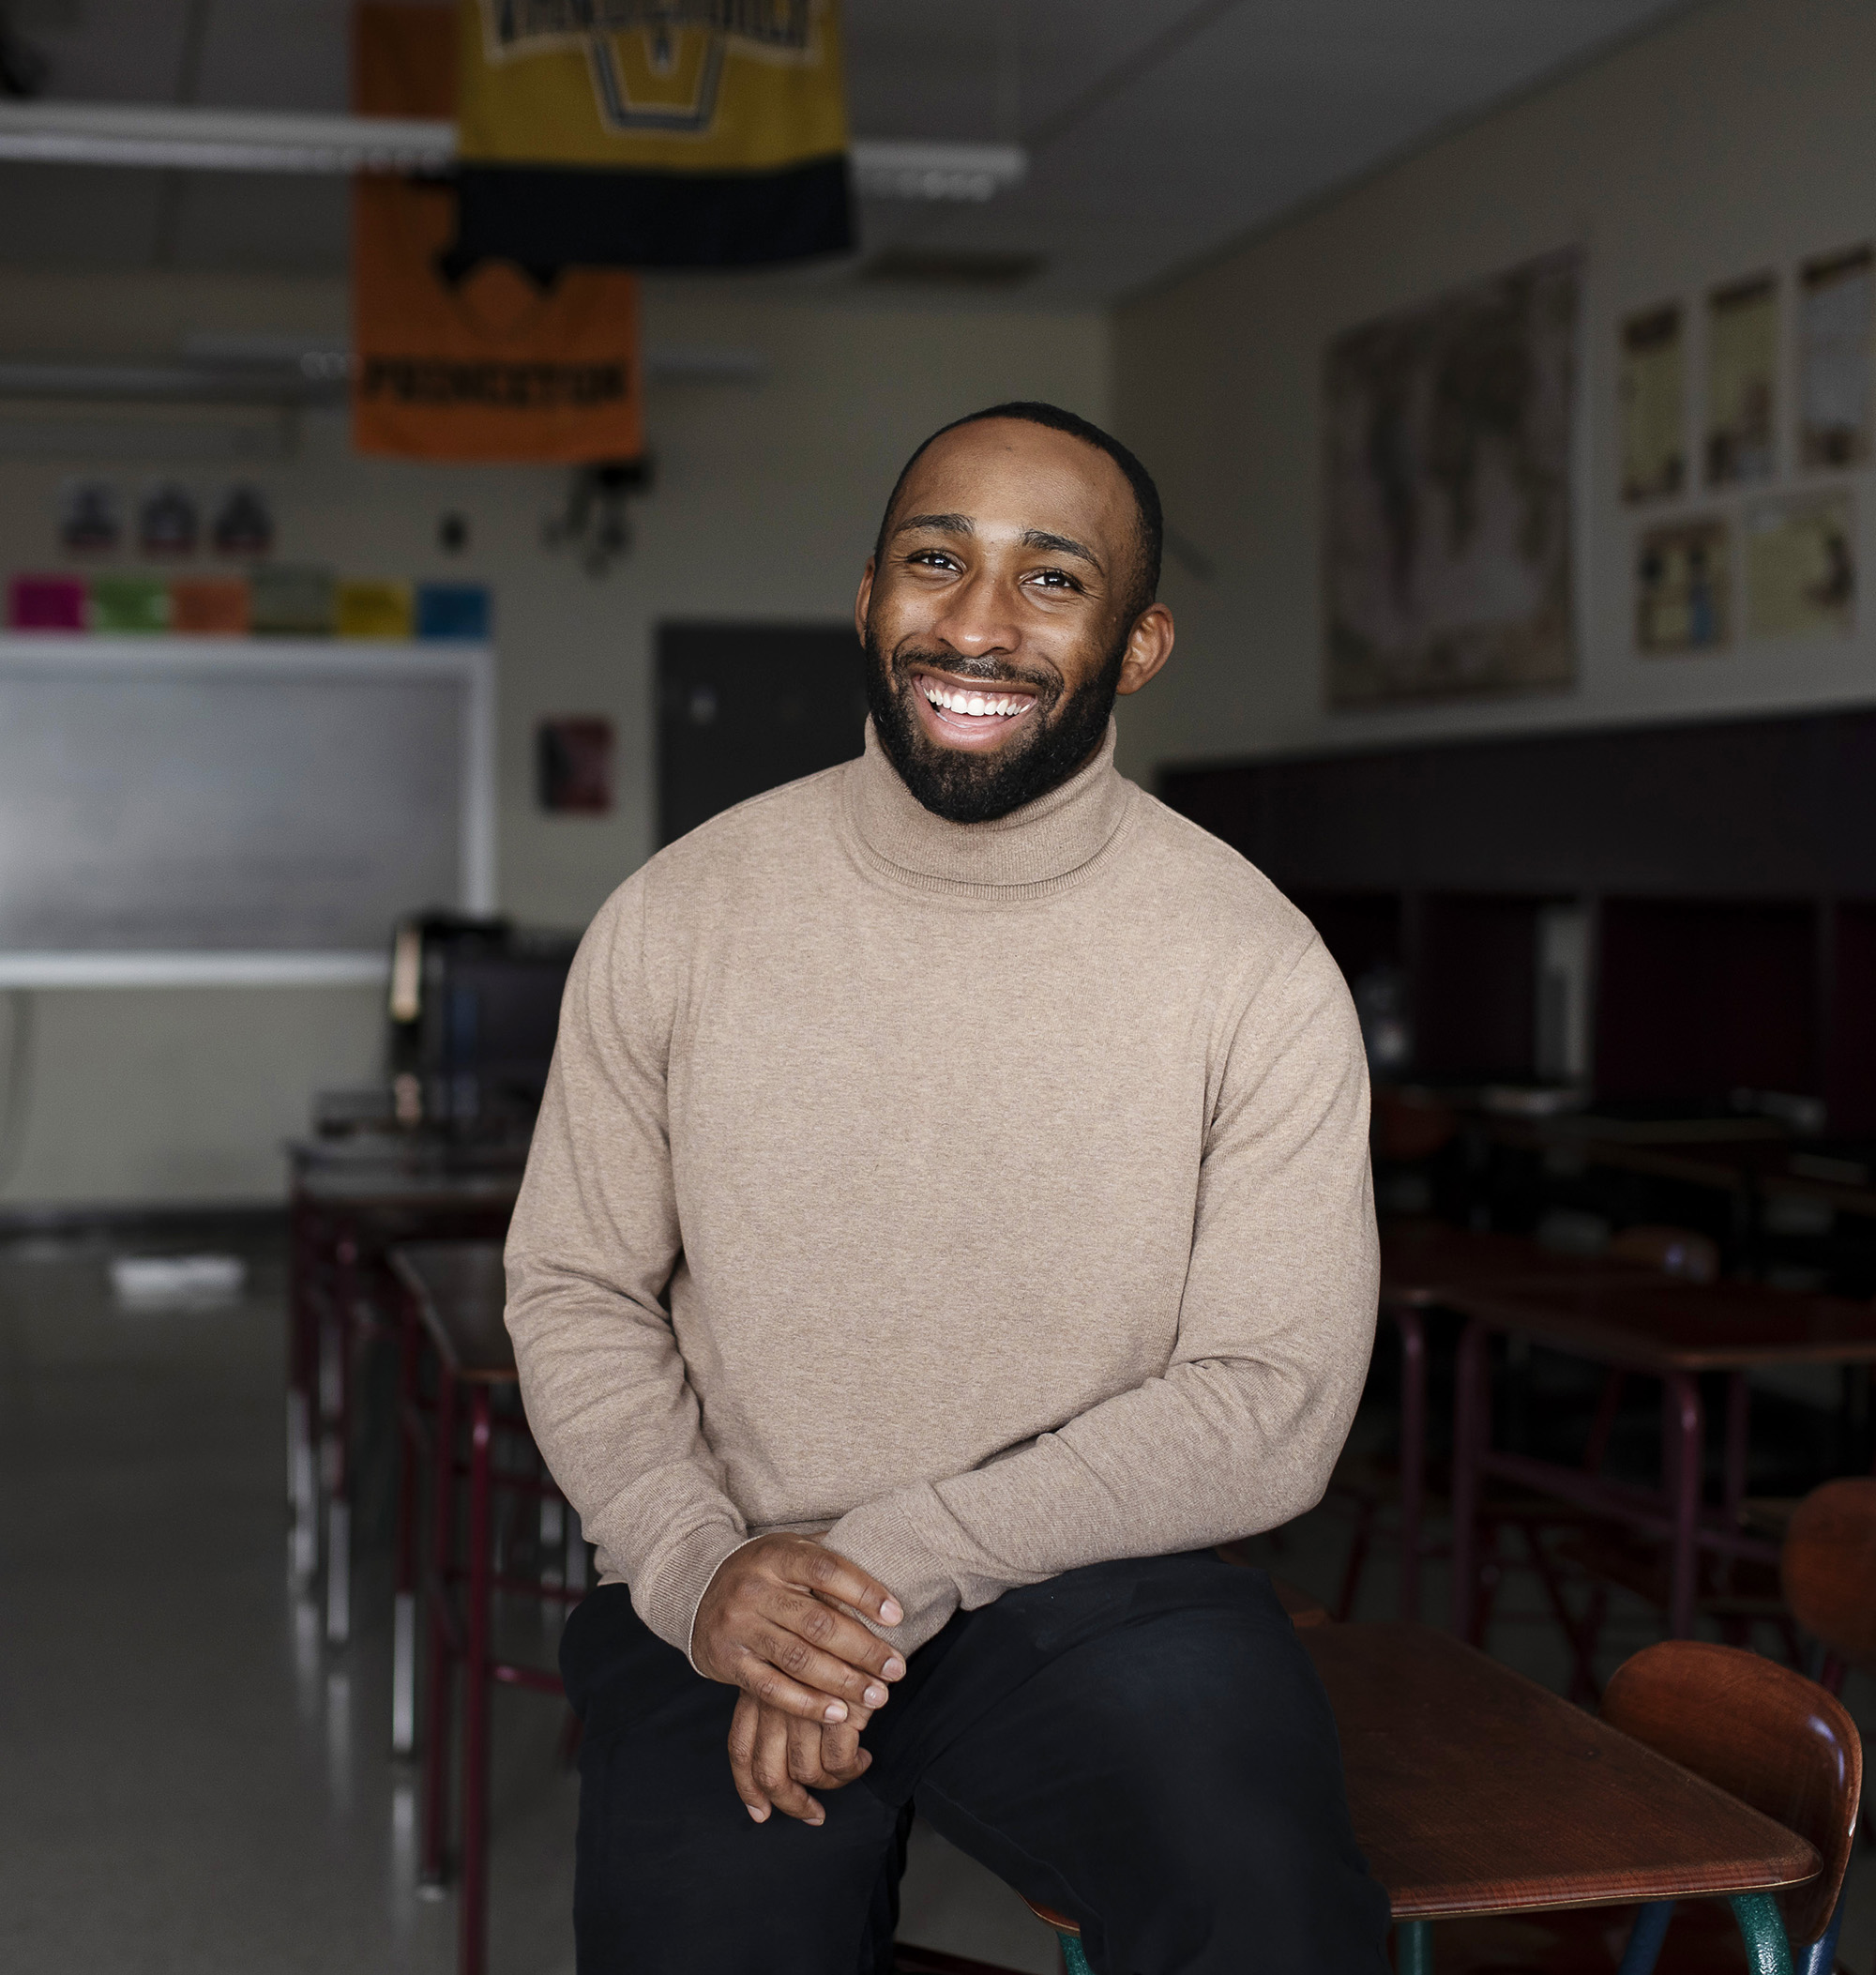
(1474, 1790)
(459, 1289)
(1663, 1324)
(389, 1172)
(1425, 1262)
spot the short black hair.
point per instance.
(1033, 412)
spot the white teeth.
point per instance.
(977, 704)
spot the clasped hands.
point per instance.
(772, 1623)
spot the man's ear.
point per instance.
(1148, 646)
(864, 600)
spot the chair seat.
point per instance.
(1050, 1917)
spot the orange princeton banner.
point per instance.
(504, 364)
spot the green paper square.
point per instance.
(130, 603)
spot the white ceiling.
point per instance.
(1159, 129)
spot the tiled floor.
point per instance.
(193, 1784)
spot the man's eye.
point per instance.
(1057, 579)
(934, 559)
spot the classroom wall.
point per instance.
(1734, 140)
(764, 506)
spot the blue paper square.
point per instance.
(452, 610)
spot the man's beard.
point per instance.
(963, 786)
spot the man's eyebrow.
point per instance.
(940, 523)
(1032, 537)
(1062, 545)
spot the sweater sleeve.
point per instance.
(591, 1252)
(1275, 1326)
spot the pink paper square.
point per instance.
(45, 603)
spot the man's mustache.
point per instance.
(979, 671)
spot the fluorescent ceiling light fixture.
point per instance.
(282, 372)
(191, 139)
(196, 139)
(886, 169)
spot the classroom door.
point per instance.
(743, 708)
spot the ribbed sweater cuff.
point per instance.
(668, 1596)
(879, 1538)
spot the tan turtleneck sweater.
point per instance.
(993, 1197)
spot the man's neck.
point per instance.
(1044, 841)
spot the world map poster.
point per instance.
(1448, 483)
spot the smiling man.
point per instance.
(950, 1217)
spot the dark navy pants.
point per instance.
(1141, 1744)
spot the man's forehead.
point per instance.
(1010, 464)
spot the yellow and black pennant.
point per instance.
(651, 133)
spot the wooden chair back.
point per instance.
(1675, 1250)
(1828, 1565)
(1764, 1732)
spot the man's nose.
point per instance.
(980, 619)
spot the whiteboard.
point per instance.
(222, 810)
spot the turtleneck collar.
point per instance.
(1047, 845)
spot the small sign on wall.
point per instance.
(91, 518)
(573, 765)
(169, 523)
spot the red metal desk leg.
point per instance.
(302, 1382)
(1738, 1419)
(1471, 1434)
(474, 1912)
(436, 1711)
(1682, 1448)
(404, 1608)
(1412, 1327)
(338, 1383)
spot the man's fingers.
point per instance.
(771, 1770)
(779, 1599)
(742, 1757)
(795, 1641)
(842, 1759)
(804, 1757)
(762, 1679)
(834, 1633)
(826, 1759)
(831, 1575)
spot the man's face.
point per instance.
(998, 621)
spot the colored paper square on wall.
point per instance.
(1683, 589)
(452, 610)
(209, 605)
(289, 601)
(573, 764)
(130, 604)
(45, 603)
(374, 610)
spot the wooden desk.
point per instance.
(352, 1200)
(1423, 1264)
(1475, 1791)
(456, 1293)
(1664, 1328)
